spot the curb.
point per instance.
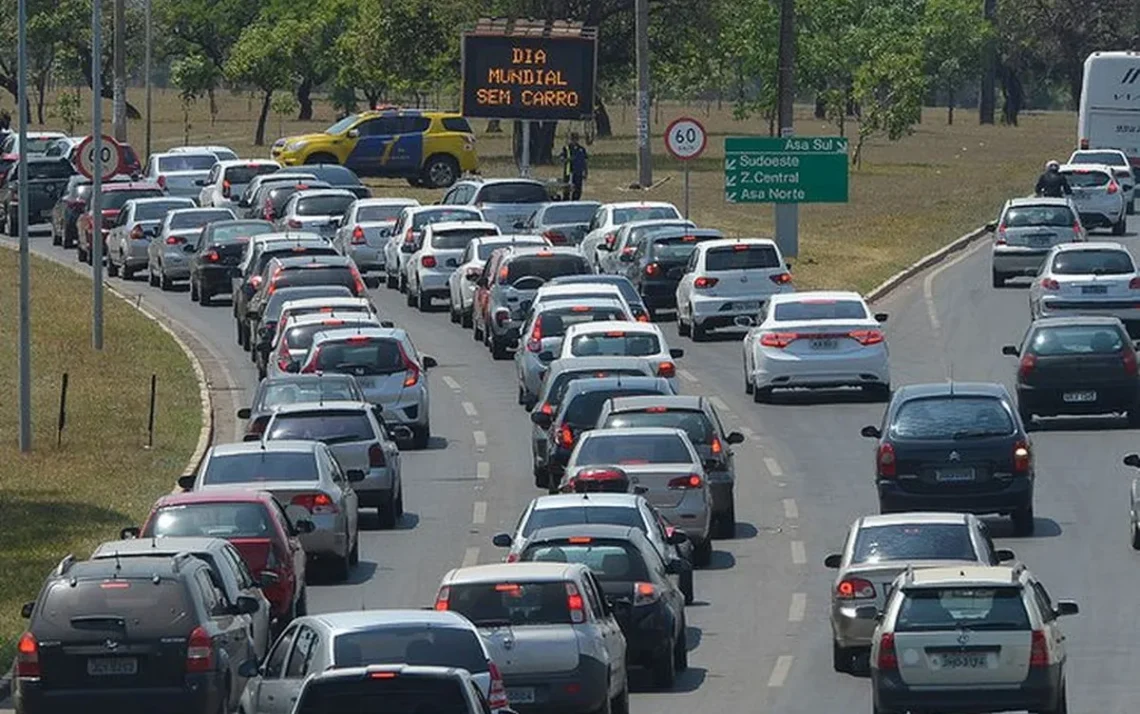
(898, 279)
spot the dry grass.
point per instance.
(63, 500)
(909, 198)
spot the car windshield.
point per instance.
(114, 200)
(586, 407)
(516, 603)
(197, 219)
(280, 195)
(398, 695)
(365, 356)
(241, 175)
(615, 344)
(329, 426)
(443, 215)
(741, 257)
(820, 310)
(378, 214)
(694, 423)
(37, 145)
(645, 213)
(951, 417)
(624, 286)
(563, 215)
(210, 520)
(485, 249)
(343, 125)
(418, 645)
(156, 606)
(1045, 216)
(610, 560)
(224, 154)
(1093, 262)
(456, 239)
(292, 250)
(186, 162)
(927, 609)
(323, 205)
(255, 466)
(913, 541)
(239, 232)
(560, 384)
(298, 391)
(513, 192)
(1076, 340)
(677, 247)
(1082, 178)
(546, 266)
(540, 518)
(301, 336)
(156, 211)
(50, 170)
(555, 321)
(1105, 158)
(632, 450)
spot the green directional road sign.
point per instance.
(800, 169)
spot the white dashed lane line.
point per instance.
(799, 555)
(480, 439)
(773, 466)
(470, 409)
(483, 470)
(450, 382)
(687, 375)
(791, 510)
(470, 557)
(479, 513)
(780, 671)
(798, 607)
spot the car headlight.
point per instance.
(294, 145)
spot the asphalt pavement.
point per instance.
(759, 630)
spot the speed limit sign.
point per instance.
(685, 138)
(111, 154)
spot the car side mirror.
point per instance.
(625, 258)
(246, 605)
(1004, 555)
(1132, 460)
(735, 438)
(249, 669)
(881, 316)
(676, 353)
(199, 182)
(502, 540)
(546, 357)
(676, 567)
(353, 133)
(744, 321)
(189, 248)
(871, 432)
(472, 277)
(387, 323)
(710, 465)
(991, 226)
(1010, 350)
(335, 222)
(304, 525)
(408, 248)
(867, 612)
(833, 561)
(267, 578)
(429, 361)
(355, 475)
(676, 537)
(529, 403)
(1067, 607)
(519, 225)
(186, 482)
(541, 419)
(244, 413)
(26, 610)
(293, 367)
(129, 532)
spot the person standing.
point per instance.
(575, 167)
(5, 125)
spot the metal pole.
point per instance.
(524, 158)
(97, 174)
(787, 214)
(120, 82)
(987, 103)
(25, 398)
(146, 73)
(686, 190)
(644, 150)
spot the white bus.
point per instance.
(1110, 104)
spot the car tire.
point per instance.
(1023, 521)
(725, 524)
(80, 254)
(665, 668)
(465, 318)
(685, 583)
(620, 703)
(702, 553)
(998, 280)
(126, 273)
(1026, 417)
(1120, 227)
(354, 554)
(748, 386)
(151, 277)
(403, 286)
(386, 512)
(205, 299)
(440, 171)
(1134, 417)
(423, 302)
(681, 649)
(421, 437)
(301, 607)
(453, 315)
(1135, 537)
(112, 268)
(761, 395)
(698, 333)
(56, 238)
(878, 392)
(342, 568)
(521, 396)
(682, 326)
(1062, 703)
(476, 332)
(400, 503)
(411, 298)
(390, 281)
(498, 349)
(165, 283)
(13, 225)
(194, 295)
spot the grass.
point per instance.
(68, 499)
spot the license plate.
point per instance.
(827, 344)
(952, 475)
(965, 660)
(112, 666)
(1040, 241)
(520, 695)
(1077, 397)
(749, 305)
(1094, 289)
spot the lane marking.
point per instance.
(799, 555)
(479, 512)
(447, 379)
(780, 671)
(483, 470)
(798, 607)
(928, 283)
(470, 409)
(720, 405)
(480, 439)
(470, 557)
(791, 510)
(773, 466)
(687, 375)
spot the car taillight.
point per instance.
(610, 238)
(781, 278)
(442, 597)
(652, 269)
(886, 461)
(716, 447)
(554, 237)
(1001, 235)
(888, 660)
(358, 282)
(319, 504)
(199, 651)
(1077, 228)
(1129, 360)
(28, 656)
(1113, 187)
(497, 696)
(226, 187)
(413, 370)
(1050, 284)
(174, 240)
(566, 436)
(686, 482)
(502, 315)
(854, 589)
(575, 604)
(409, 236)
(376, 456)
(667, 370)
(294, 223)
(1022, 458)
(546, 409)
(428, 261)
(703, 282)
(283, 363)
(534, 344)
(1038, 650)
(474, 273)
(779, 340)
(645, 594)
(867, 337)
(75, 204)
(1134, 284)
(1025, 366)
(358, 236)
(161, 182)
(212, 256)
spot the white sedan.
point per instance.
(820, 339)
(1094, 278)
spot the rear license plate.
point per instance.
(964, 660)
(520, 695)
(952, 475)
(826, 344)
(112, 666)
(1041, 241)
(747, 305)
(1094, 289)
(1078, 397)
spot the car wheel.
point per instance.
(726, 523)
(13, 226)
(760, 395)
(112, 268)
(1023, 521)
(342, 568)
(1134, 417)
(204, 297)
(440, 171)
(681, 650)
(302, 607)
(842, 659)
(620, 703)
(686, 586)
(521, 396)
(1120, 227)
(682, 326)
(698, 332)
(1131, 208)
(498, 349)
(878, 392)
(354, 554)
(465, 318)
(126, 272)
(387, 514)
(421, 436)
(423, 302)
(80, 254)
(164, 282)
(702, 553)
(665, 668)
(748, 386)
(411, 298)
(403, 286)
(452, 314)
(151, 277)
(193, 291)
(1026, 417)
(390, 281)
(245, 336)
(998, 280)
(56, 238)
(400, 504)
(476, 332)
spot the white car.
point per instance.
(1121, 166)
(621, 339)
(1098, 196)
(604, 226)
(224, 153)
(726, 279)
(178, 173)
(437, 256)
(406, 233)
(227, 181)
(578, 291)
(461, 283)
(818, 339)
(1094, 278)
(365, 230)
(628, 237)
(295, 335)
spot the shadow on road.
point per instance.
(1042, 528)
(721, 560)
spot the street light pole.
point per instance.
(644, 148)
(97, 174)
(25, 396)
(146, 72)
(787, 215)
(120, 80)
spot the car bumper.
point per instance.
(1039, 692)
(778, 368)
(582, 690)
(1101, 216)
(218, 279)
(692, 514)
(367, 258)
(1050, 401)
(328, 538)
(848, 630)
(434, 281)
(659, 295)
(647, 630)
(175, 268)
(1126, 310)
(136, 255)
(720, 312)
(376, 488)
(407, 410)
(1016, 494)
(720, 489)
(200, 695)
(1011, 260)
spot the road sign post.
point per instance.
(25, 329)
(686, 139)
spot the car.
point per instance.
(359, 441)
(167, 258)
(546, 328)
(699, 419)
(664, 466)
(1075, 366)
(229, 568)
(301, 472)
(577, 414)
(429, 149)
(878, 549)
(610, 216)
(503, 201)
(227, 180)
(1133, 460)
(179, 172)
(293, 389)
(343, 640)
(1026, 231)
(389, 369)
(61, 147)
(628, 292)
(71, 205)
(47, 181)
(628, 237)
(263, 532)
(407, 231)
(549, 628)
(224, 153)
(181, 650)
(270, 199)
(620, 339)
(955, 446)
(561, 222)
(339, 177)
(560, 293)
(1097, 195)
(1010, 625)
(319, 303)
(819, 339)
(1121, 166)
(637, 585)
(38, 142)
(292, 341)
(264, 314)
(137, 224)
(315, 210)
(365, 230)
(389, 688)
(248, 207)
(503, 293)
(216, 255)
(657, 264)
(1089, 278)
(436, 257)
(728, 278)
(112, 196)
(461, 282)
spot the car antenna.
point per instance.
(950, 368)
(118, 563)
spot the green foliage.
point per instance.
(261, 59)
(194, 76)
(68, 110)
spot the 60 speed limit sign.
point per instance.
(111, 155)
(685, 138)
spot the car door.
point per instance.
(685, 286)
(728, 454)
(270, 692)
(248, 587)
(232, 629)
(206, 195)
(301, 658)
(1049, 619)
(608, 627)
(117, 233)
(373, 142)
(347, 498)
(293, 543)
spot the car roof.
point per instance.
(355, 673)
(332, 301)
(372, 201)
(512, 572)
(673, 231)
(1088, 168)
(317, 318)
(192, 151)
(592, 530)
(816, 295)
(314, 377)
(1037, 201)
(314, 192)
(1090, 245)
(522, 250)
(577, 500)
(591, 279)
(503, 179)
(230, 163)
(1067, 320)
(131, 568)
(163, 545)
(325, 406)
(687, 402)
(595, 384)
(727, 242)
(162, 199)
(551, 204)
(964, 575)
(902, 519)
(300, 261)
(647, 328)
(649, 223)
(562, 302)
(505, 239)
(623, 431)
(340, 333)
(290, 236)
(1078, 152)
(461, 226)
(949, 389)
(585, 364)
(129, 186)
(295, 446)
(413, 210)
(197, 209)
(215, 495)
(364, 620)
(576, 289)
(641, 204)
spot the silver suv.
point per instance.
(969, 638)
(1026, 231)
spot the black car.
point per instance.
(578, 414)
(1074, 366)
(637, 583)
(70, 206)
(216, 254)
(562, 222)
(133, 634)
(955, 446)
(338, 176)
(657, 262)
(263, 320)
(622, 283)
(47, 182)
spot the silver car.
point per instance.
(365, 230)
(461, 283)
(407, 232)
(1121, 166)
(137, 224)
(436, 257)
(387, 367)
(878, 549)
(224, 153)
(664, 466)
(503, 201)
(300, 475)
(1098, 196)
(294, 337)
(167, 259)
(1026, 231)
(317, 210)
(629, 236)
(247, 207)
(382, 687)
(1092, 278)
(294, 389)
(179, 172)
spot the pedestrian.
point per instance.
(5, 125)
(575, 168)
(1052, 183)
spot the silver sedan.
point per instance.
(167, 257)
(365, 230)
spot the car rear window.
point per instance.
(50, 170)
(157, 211)
(399, 695)
(645, 213)
(317, 275)
(334, 174)
(546, 266)
(187, 162)
(1093, 261)
(977, 609)
(323, 205)
(615, 344)
(520, 192)
(378, 214)
(540, 518)
(626, 449)
(623, 285)
(114, 200)
(586, 407)
(951, 418)
(741, 257)
(150, 608)
(239, 232)
(1107, 158)
(444, 215)
(301, 337)
(485, 249)
(677, 247)
(38, 145)
(280, 195)
(1075, 340)
(693, 422)
(913, 541)
(820, 310)
(611, 560)
(1083, 178)
(256, 466)
(198, 218)
(1048, 216)
(563, 381)
(331, 427)
(555, 321)
(211, 520)
(458, 124)
(366, 356)
(291, 251)
(415, 645)
(458, 239)
(242, 175)
(279, 298)
(517, 603)
(562, 215)
(294, 391)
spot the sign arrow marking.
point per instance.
(730, 181)
(729, 164)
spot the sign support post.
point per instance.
(524, 153)
(686, 190)
(97, 174)
(25, 395)
(788, 219)
(686, 139)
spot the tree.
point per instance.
(261, 59)
(954, 33)
(311, 30)
(194, 76)
(830, 47)
(889, 88)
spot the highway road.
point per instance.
(759, 631)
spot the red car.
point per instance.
(112, 198)
(257, 526)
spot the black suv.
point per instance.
(656, 263)
(132, 634)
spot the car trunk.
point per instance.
(149, 228)
(352, 455)
(518, 301)
(1041, 237)
(1072, 372)
(317, 224)
(381, 388)
(447, 258)
(283, 491)
(742, 270)
(656, 478)
(229, 254)
(990, 657)
(825, 338)
(376, 233)
(620, 595)
(531, 649)
(930, 465)
(1096, 286)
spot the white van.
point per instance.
(1110, 104)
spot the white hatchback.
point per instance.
(621, 339)
(461, 284)
(437, 256)
(1095, 278)
(1098, 196)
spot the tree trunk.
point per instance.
(1014, 93)
(259, 137)
(494, 126)
(950, 99)
(603, 128)
(305, 99)
(107, 91)
(185, 123)
(771, 124)
(990, 70)
(41, 92)
(373, 97)
(820, 107)
(211, 95)
(542, 136)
